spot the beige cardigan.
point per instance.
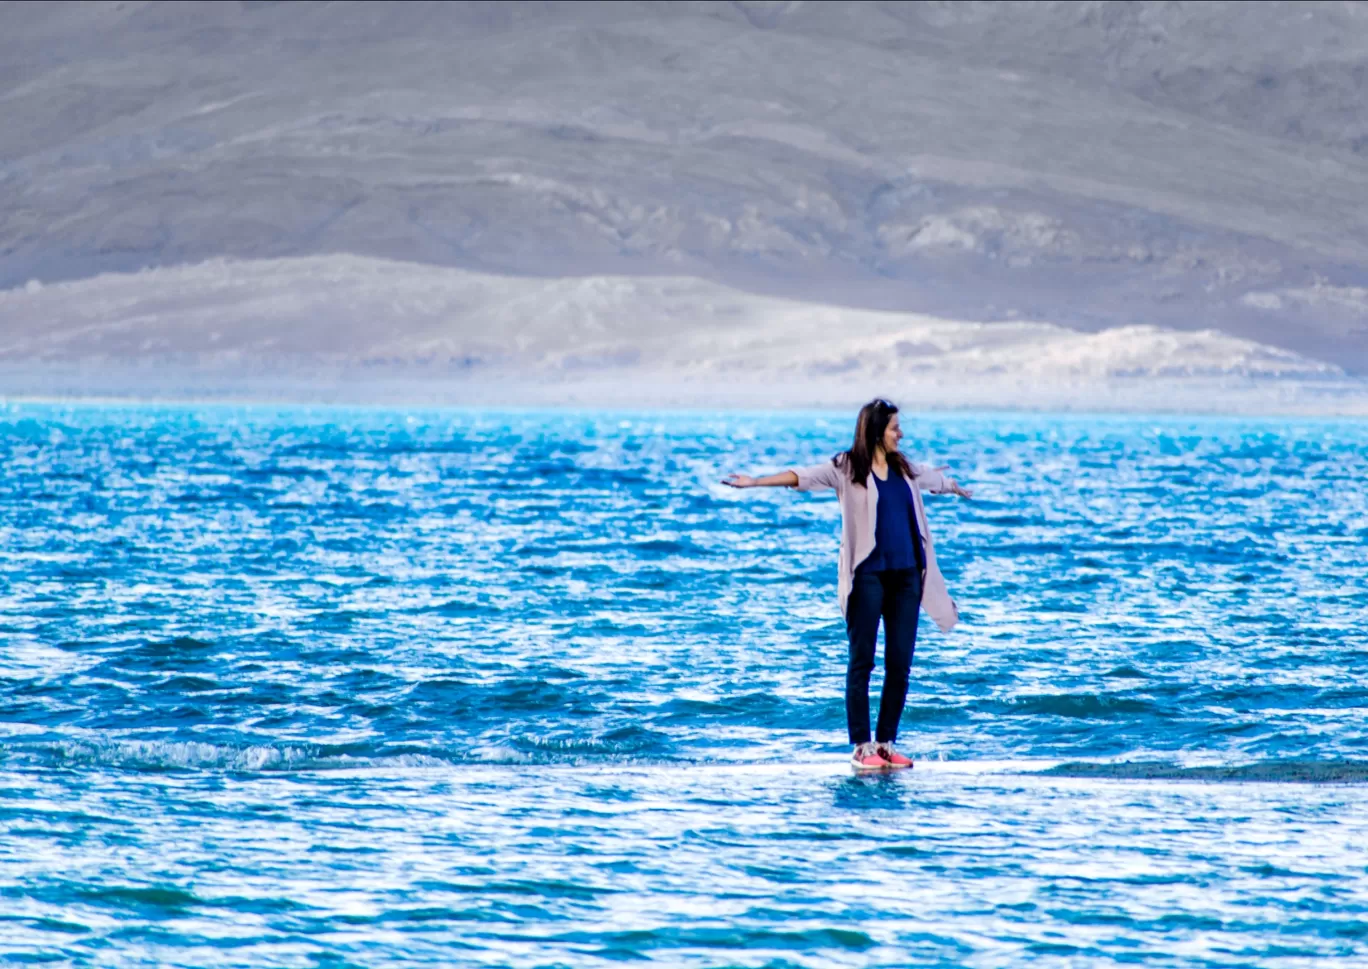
(859, 512)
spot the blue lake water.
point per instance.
(365, 687)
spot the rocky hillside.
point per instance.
(1200, 166)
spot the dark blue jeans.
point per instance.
(894, 595)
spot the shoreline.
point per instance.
(324, 385)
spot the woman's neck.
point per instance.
(879, 463)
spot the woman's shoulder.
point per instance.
(909, 468)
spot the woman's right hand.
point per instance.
(739, 481)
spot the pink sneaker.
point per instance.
(866, 757)
(895, 759)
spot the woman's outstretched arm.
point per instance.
(933, 480)
(784, 479)
(816, 478)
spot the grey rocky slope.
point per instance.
(1090, 164)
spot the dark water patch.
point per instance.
(149, 900)
(545, 888)
(181, 647)
(435, 914)
(819, 835)
(335, 620)
(653, 578)
(186, 684)
(543, 571)
(36, 958)
(1274, 871)
(462, 608)
(560, 673)
(1256, 694)
(1125, 672)
(1242, 728)
(296, 472)
(1006, 520)
(91, 572)
(345, 849)
(738, 938)
(38, 688)
(59, 925)
(782, 876)
(365, 680)
(57, 816)
(260, 694)
(257, 905)
(609, 792)
(321, 655)
(1059, 949)
(1354, 697)
(669, 546)
(443, 690)
(1024, 551)
(386, 715)
(1083, 706)
(226, 494)
(342, 449)
(605, 626)
(1076, 583)
(907, 851)
(1278, 771)
(506, 699)
(362, 511)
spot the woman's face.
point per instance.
(892, 435)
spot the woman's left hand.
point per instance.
(956, 489)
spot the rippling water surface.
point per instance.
(317, 687)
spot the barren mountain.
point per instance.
(1198, 166)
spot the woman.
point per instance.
(887, 567)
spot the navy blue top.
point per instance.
(897, 542)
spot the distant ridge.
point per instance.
(352, 328)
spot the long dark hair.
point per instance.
(869, 432)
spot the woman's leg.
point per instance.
(901, 606)
(862, 626)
